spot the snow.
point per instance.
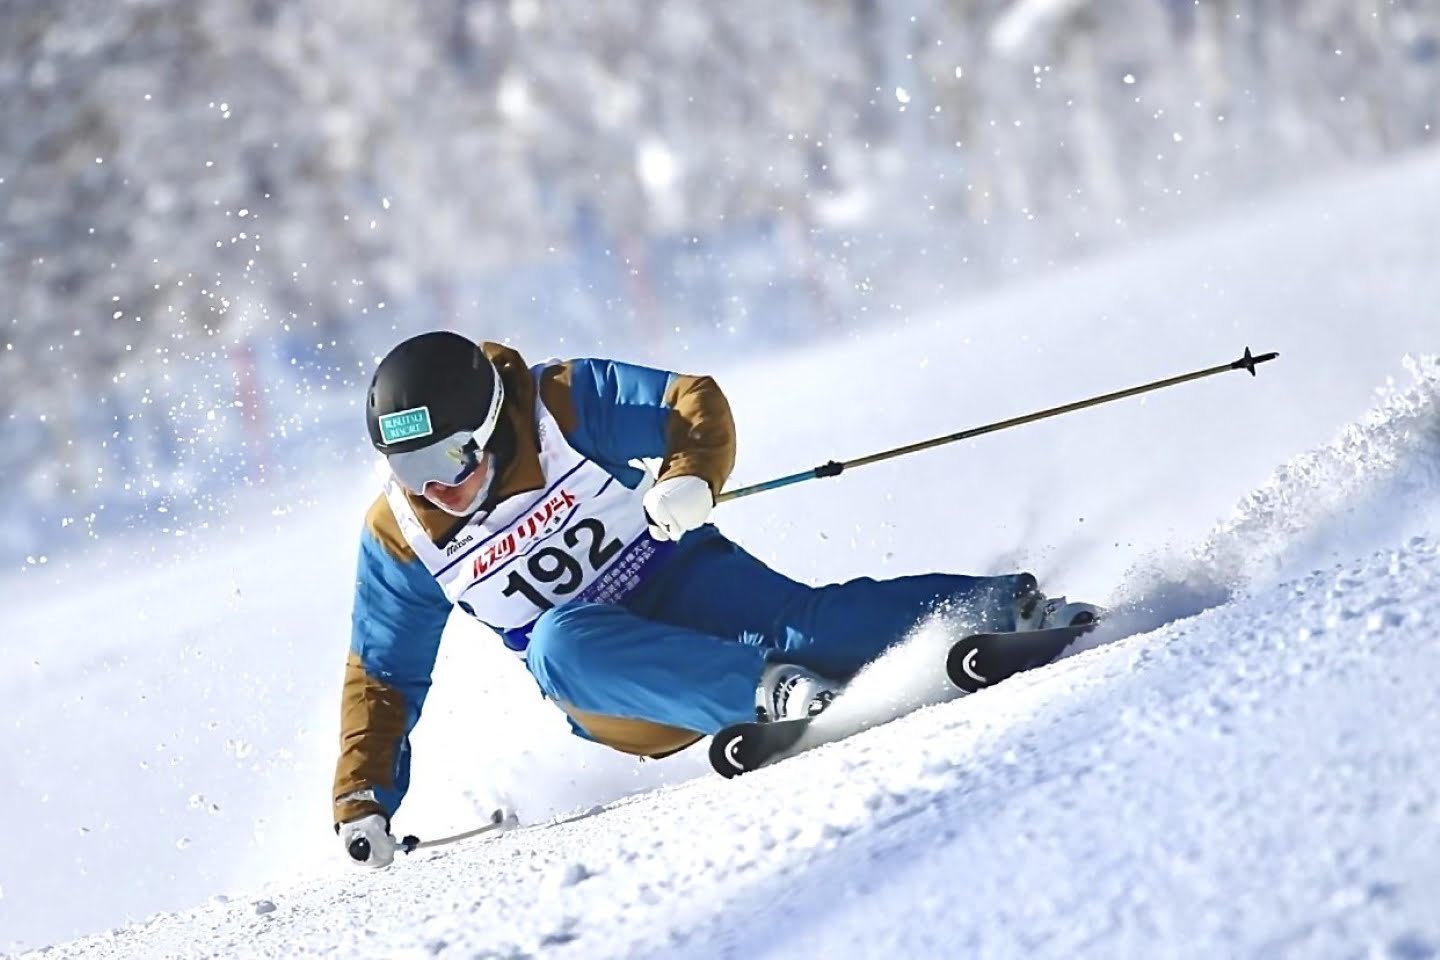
(1240, 764)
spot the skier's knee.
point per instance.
(555, 645)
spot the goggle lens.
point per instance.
(450, 462)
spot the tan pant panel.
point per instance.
(640, 738)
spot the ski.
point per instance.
(972, 663)
(749, 746)
(984, 659)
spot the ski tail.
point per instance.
(984, 659)
(743, 747)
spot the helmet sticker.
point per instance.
(405, 425)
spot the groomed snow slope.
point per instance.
(1258, 779)
(1245, 773)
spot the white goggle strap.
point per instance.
(486, 430)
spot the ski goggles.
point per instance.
(450, 461)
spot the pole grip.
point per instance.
(359, 849)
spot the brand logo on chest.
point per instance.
(455, 546)
(545, 519)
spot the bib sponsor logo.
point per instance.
(543, 520)
(405, 425)
(455, 546)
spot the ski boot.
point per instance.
(1035, 611)
(788, 691)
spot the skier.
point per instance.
(512, 495)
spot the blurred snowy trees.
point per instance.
(183, 181)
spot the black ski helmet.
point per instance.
(442, 373)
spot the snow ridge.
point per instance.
(1379, 475)
(1378, 479)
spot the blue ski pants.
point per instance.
(688, 648)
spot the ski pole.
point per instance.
(410, 843)
(833, 468)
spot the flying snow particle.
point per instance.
(902, 94)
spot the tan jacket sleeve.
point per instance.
(700, 438)
(398, 617)
(372, 722)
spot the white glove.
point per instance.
(677, 506)
(367, 841)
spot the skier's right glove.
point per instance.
(675, 506)
(367, 841)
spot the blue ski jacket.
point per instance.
(611, 413)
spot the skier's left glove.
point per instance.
(368, 841)
(678, 505)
